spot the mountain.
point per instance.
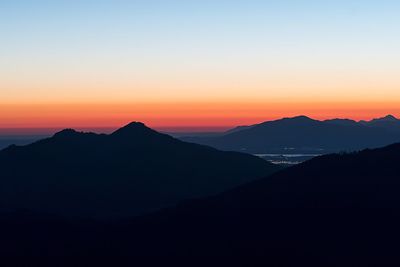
(303, 135)
(238, 129)
(387, 118)
(129, 172)
(334, 210)
(389, 122)
(7, 140)
(345, 122)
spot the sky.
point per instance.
(196, 64)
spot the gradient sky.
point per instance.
(100, 63)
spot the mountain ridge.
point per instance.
(334, 210)
(131, 171)
(305, 135)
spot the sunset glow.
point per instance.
(177, 116)
(205, 65)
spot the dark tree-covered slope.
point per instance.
(334, 210)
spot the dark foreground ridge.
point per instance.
(334, 210)
(132, 171)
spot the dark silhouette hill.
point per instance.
(131, 171)
(304, 135)
(334, 210)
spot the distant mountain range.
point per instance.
(131, 171)
(305, 135)
(8, 140)
(334, 210)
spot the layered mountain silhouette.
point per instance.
(334, 210)
(305, 135)
(129, 172)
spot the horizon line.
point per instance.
(41, 130)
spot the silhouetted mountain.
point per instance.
(303, 135)
(388, 118)
(7, 140)
(342, 122)
(334, 210)
(389, 122)
(133, 170)
(237, 129)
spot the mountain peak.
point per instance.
(301, 118)
(133, 129)
(387, 118)
(66, 133)
(135, 125)
(390, 118)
